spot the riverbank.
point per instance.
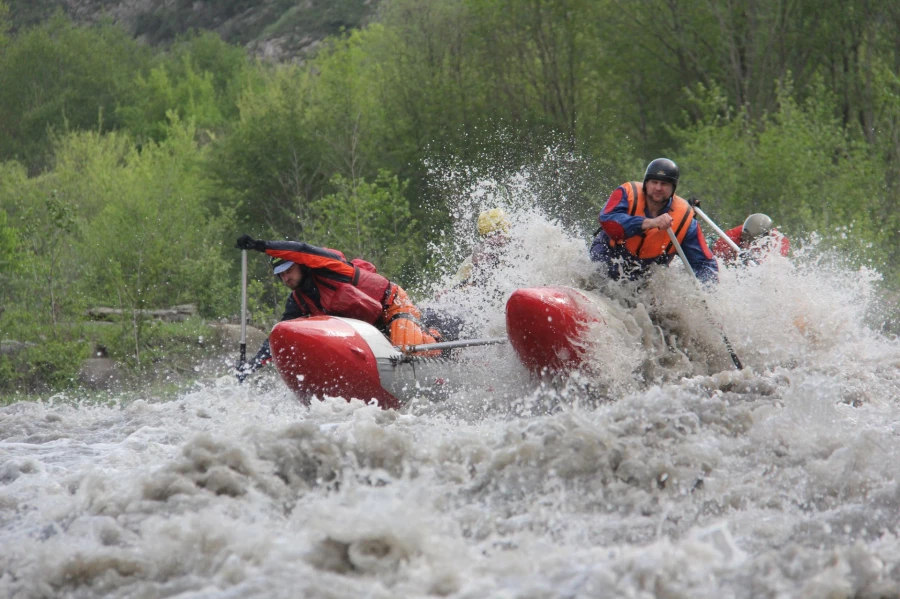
(96, 361)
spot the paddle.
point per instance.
(243, 357)
(734, 358)
(720, 232)
(449, 345)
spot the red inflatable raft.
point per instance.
(343, 357)
(547, 325)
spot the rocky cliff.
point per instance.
(278, 30)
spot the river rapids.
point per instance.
(659, 471)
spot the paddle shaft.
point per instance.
(456, 344)
(734, 358)
(721, 233)
(243, 307)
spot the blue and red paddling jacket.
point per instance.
(629, 250)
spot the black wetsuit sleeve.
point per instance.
(264, 355)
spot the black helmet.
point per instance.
(662, 169)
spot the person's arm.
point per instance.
(615, 220)
(784, 244)
(698, 255)
(262, 357)
(735, 235)
(311, 256)
(722, 250)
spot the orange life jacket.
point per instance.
(654, 243)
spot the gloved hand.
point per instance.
(694, 202)
(245, 242)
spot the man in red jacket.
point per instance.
(323, 282)
(755, 228)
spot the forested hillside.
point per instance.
(128, 168)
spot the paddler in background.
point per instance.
(633, 227)
(757, 235)
(323, 282)
(487, 255)
(475, 272)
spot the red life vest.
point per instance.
(654, 243)
(351, 289)
(362, 298)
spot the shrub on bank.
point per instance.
(168, 352)
(41, 367)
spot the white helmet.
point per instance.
(755, 227)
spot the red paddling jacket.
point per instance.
(331, 284)
(721, 248)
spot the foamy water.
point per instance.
(661, 472)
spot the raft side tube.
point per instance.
(326, 355)
(546, 327)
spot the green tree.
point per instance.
(368, 220)
(191, 97)
(8, 244)
(59, 76)
(4, 22)
(200, 79)
(800, 166)
(351, 126)
(45, 226)
(155, 245)
(269, 168)
(48, 234)
(490, 82)
(85, 164)
(541, 58)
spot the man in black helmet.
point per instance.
(633, 227)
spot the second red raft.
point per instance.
(547, 327)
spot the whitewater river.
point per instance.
(660, 472)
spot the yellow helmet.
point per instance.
(492, 221)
